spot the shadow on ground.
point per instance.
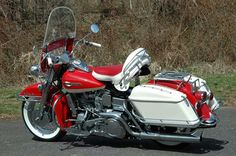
(206, 146)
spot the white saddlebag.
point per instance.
(158, 105)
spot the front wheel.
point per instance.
(40, 123)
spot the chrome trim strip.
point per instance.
(173, 102)
(29, 98)
(83, 90)
(188, 124)
(69, 84)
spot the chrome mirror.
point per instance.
(94, 28)
(34, 70)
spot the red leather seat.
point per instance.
(110, 70)
(106, 73)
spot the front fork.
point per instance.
(46, 91)
(46, 86)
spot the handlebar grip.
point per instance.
(95, 44)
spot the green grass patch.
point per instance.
(9, 106)
(223, 87)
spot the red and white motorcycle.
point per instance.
(74, 98)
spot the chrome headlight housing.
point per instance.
(35, 70)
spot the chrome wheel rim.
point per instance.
(40, 125)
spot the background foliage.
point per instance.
(193, 35)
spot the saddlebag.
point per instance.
(159, 105)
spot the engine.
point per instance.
(99, 101)
(99, 113)
(102, 100)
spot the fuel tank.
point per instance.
(78, 81)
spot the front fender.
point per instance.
(57, 101)
(31, 90)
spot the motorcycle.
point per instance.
(82, 100)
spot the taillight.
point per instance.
(200, 96)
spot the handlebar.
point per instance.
(93, 44)
(81, 42)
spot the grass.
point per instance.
(9, 106)
(223, 87)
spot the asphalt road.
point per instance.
(15, 139)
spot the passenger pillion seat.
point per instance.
(120, 75)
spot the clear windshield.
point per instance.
(61, 24)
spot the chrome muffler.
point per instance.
(195, 137)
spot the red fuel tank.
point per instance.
(78, 81)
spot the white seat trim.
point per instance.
(104, 77)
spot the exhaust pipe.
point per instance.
(191, 138)
(195, 137)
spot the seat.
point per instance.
(120, 75)
(107, 73)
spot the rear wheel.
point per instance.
(43, 127)
(169, 143)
